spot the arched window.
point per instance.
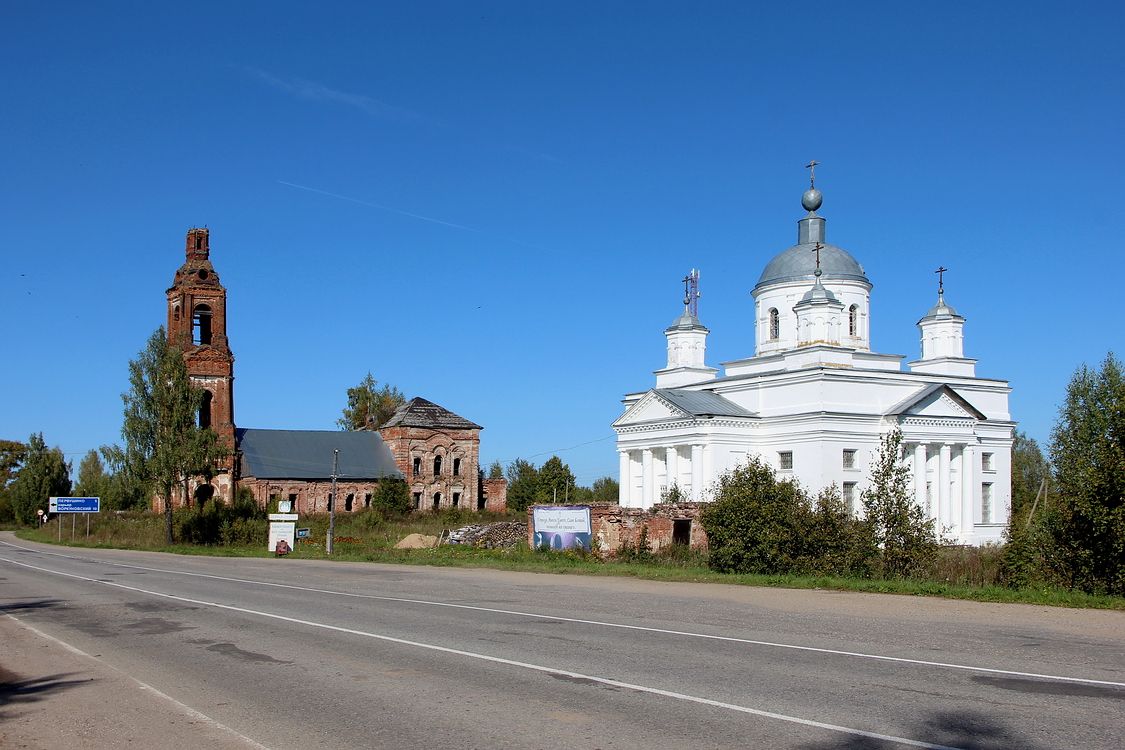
(775, 324)
(205, 410)
(853, 320)
(201, 325)
(437, 500)
(417, 468)
(437, 466)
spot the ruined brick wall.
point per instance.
(457, 449)
(614, 527)
(311, 496)
(495, 494)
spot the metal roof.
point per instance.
(799, 262)
(702, 403)
(418, 412)
(307, 454)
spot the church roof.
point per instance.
(307, 454)
(940, 311)
(418, 412)
(686, 322)
(702, 403)
(798, 263)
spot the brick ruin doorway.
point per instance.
(681, 531)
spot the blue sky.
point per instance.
(491, 205)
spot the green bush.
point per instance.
(836, 543)
(216, 523)
(756, 522)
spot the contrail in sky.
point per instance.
(381, 207)
(400, 212)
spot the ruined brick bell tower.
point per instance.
(197, 325)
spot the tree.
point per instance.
(756, 522)
(369, 406)
(1029, 469)
(606, 490)
(905, 537)
(555, 481)
(163, 443)
(836, 542)
(523, 484)
(496, 470)
(92, 479)
(1085, 522)
(12, 455)
(45, 474)
(391, 497)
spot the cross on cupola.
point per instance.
(811, 166)
(817, 250)
(941, 280)
(692, 293)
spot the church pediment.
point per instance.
(650, 408)
(937, 401)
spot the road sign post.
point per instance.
(72, 505)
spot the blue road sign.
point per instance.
(303, 533)
(75, 505)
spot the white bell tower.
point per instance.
(687, 343)
(943, 339)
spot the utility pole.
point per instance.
(332, 503)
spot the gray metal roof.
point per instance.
(686, 322)
(702, 403)
(941, 310)
(307, 454)
(799, 262)
(418, 412)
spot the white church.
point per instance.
(814, 401)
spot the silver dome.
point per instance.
(799, 262)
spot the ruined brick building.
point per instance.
(436, 451)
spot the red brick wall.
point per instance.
(406, 443)
(614, 527)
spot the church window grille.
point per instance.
(417, 466)
(201, 325)
(437, 500)
(348, 501)
(775, 324)
(849, 458)
(785, 460)
(205, 410)
(849, 494)
(437, 466)
(987, 463)
(456, 467)
(417, 500)
(853, 320)
(456, 499)
(986, 502)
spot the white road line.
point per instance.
(511, 663)
(601, 623)
(198, 716)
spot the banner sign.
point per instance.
(561, 527)
(282, 530)
(75, 505)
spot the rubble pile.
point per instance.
(500, 535)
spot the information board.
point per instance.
(561, 527)
(75, 505)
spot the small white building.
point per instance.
(814, 401)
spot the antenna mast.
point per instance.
(692, 293)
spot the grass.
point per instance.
(960, 573)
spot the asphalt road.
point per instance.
(288, 653)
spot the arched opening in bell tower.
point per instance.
(201, 325)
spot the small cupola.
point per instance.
(687, 342)
(943, 340)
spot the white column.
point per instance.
(697, 472)
(671, 463)
(968, 490)
(920, 475)
(944, 513)
(625, 474)
(647, 479)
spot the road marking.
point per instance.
(507, 662)
(193, 713)
(600, 623)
